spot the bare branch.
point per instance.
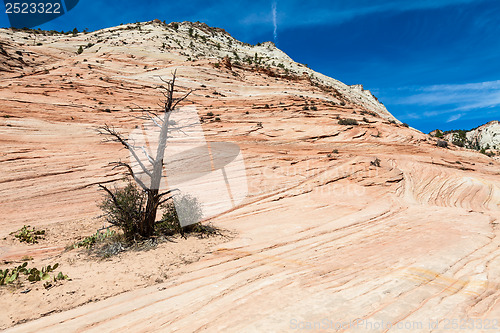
(131, 172)
(182, 98)
(168, 192)
(164, 200)
(106, 130)
(150, 159)
(153, 120)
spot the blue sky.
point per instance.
(432, 63)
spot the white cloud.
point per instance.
(454, 117)
(459, 97)
(275, 24)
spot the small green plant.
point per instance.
(335, 151)
(314, 108)
(210, 114)
(38, 275)
(348, 121)
(80, 50)
(217, 119)
(30, 236)
(90, 241)
(8, 276)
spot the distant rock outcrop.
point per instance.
(485, 137)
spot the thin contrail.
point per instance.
(275, 24)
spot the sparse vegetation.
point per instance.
(27, 235)
(80, 50)
(460, 138)
(442, 144)
(89, 241)
(375, 162)
(348, 121)
(8, 276)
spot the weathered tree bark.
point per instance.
(152, 188)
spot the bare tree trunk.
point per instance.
(154, 197)
(146, 229)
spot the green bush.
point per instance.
(127, 215)
(348, 122)
(185, 206)
(80, 50)
(442, 144)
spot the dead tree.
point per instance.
(153, 171)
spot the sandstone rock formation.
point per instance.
(486, 136)
(325, 235)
